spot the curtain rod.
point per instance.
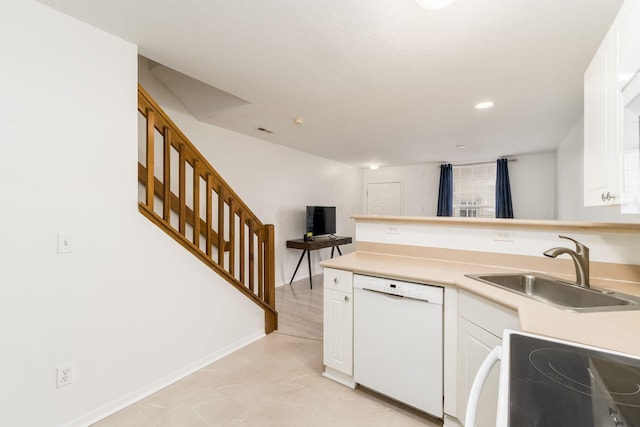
(515, 159)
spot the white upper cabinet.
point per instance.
(601, 147)
(611, 161)
(628, 36)
(627, 31)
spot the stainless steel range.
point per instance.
(548, 382)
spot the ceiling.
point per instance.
(376, 81)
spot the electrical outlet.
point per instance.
(503, 235)
(66, 243)
(392, 229)
(64, 375)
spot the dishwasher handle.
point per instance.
(397, 297)
(481, 377)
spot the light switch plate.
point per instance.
(66, 243)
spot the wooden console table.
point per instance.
(311, 245)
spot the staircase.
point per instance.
(189, 200)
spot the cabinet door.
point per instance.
(338, 331)
(474, 345)
(628, 39)
(602, 158)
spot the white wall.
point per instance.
(618, 248)
(532, 198)
(130, 308)
(533, 186)
(275, 181)
(570, 193)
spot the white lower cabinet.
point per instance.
(338, 326)
(480, 327)
(474, 346)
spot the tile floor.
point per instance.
(275, 381)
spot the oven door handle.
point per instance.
(481, 377)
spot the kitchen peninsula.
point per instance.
(440, 251)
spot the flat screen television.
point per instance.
(321, 220)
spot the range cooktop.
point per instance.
(554, 384)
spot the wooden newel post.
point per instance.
(270, 316)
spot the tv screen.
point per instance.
(321, 220)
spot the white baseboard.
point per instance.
(144, 391)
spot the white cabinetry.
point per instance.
(627, 30)
(338, 326)
(480, 327)
(602, 156)
(628, 35)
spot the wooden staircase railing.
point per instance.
(205, 216)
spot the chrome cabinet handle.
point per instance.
(346, 298)
(606, 197)
(335, 280)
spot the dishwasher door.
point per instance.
(398, 348)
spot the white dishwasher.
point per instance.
(397, 340)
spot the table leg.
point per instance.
(332, 248)
(297, 266)
(338, 248)
(309, 261)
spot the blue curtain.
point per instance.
(445, 192)
(504, 207)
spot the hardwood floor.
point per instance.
(300, 308)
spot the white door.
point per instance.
(384, 198)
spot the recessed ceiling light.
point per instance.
(298, 120)
(461, 147)
(373, 166)
(434, 4)
(484, 105)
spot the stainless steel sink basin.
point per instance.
(559, 293)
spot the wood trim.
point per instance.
(260, 265)
(221, 227)
(145, 101)
(175, 204)
(232, 238)
(243, 248)
(270, 317)
(150, 158)
(166, 175)
(189, 155)
(505, 223)
(182, 189)
(196, 204)
(157, 220)
(251, 255)
(209, 229)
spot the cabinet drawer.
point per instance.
(488, 315)
(338, 279)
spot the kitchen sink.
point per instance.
(559, 293)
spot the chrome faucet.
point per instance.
(580, 259)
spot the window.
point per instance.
(474, 191)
